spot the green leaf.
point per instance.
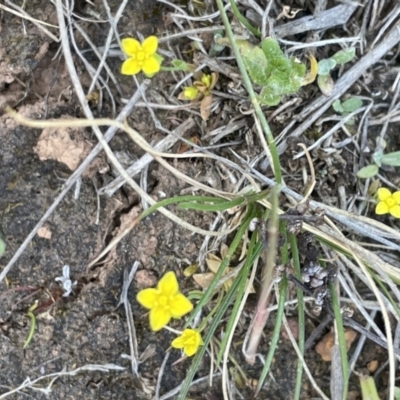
(368, 388)
(217, 46)
(268, 97)
(368, 172)
(256, 62)
(344, 56)
(392, 159)
(181, 65)
(2, 247)
(351, 105)
(325, 83)
(377, 157)
(298, 68)
(397, 393)
(271, 49)
(337, 106)
(324, 66)
(269, 67)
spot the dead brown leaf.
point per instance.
(205, 107)
(324, 347)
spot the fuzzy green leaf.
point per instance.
(392, 159)
(271, 49)
(377, 157)
(2, 247)
(351, 105)
(324, 66)
(269, 98)
(344, 56)
(256, 62)
(337, 106)
(368, 172)
(269, 67)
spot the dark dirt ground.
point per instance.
(86, 327)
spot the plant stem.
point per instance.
(268, 255)
(301, 319)
(253, 97)
(342, 339)
(243, 20)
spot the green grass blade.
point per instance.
(253, 252)
(207, 338)
(251, 213)
(275, 335)
(301, 318)
(342, 339)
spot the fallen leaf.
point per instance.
(205, 107)
(44, 232)
(324, 347)
(204, 280)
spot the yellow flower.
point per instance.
(190, 93)
(388, 203)
(142, 57)
(206, 80)
(165, 302)
(189, 341)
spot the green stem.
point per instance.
(211, 314)
(224, 205)
(225, 262)
(207, 338)
(253, 97)
(253, 252)
(243, 20)
(342, 339)
(301, 319)
(31, 315)
(275, 335)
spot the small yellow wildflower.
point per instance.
(190, 93)
(142, 57)
(206, 80)
(388, 202)
(189, 341)
(165, 302)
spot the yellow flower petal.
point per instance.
(180, 305)
(178, 343)
(168, 284)
(396, 197)
(381, 208)
(148, 298)
(151, 66)
(159, 317)
(190, 350)
(150, 45)
(383, 194)
(190, 340)
(130, 67)
(206, 80)
(130, 46)
(190, 93)
(395, 211)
